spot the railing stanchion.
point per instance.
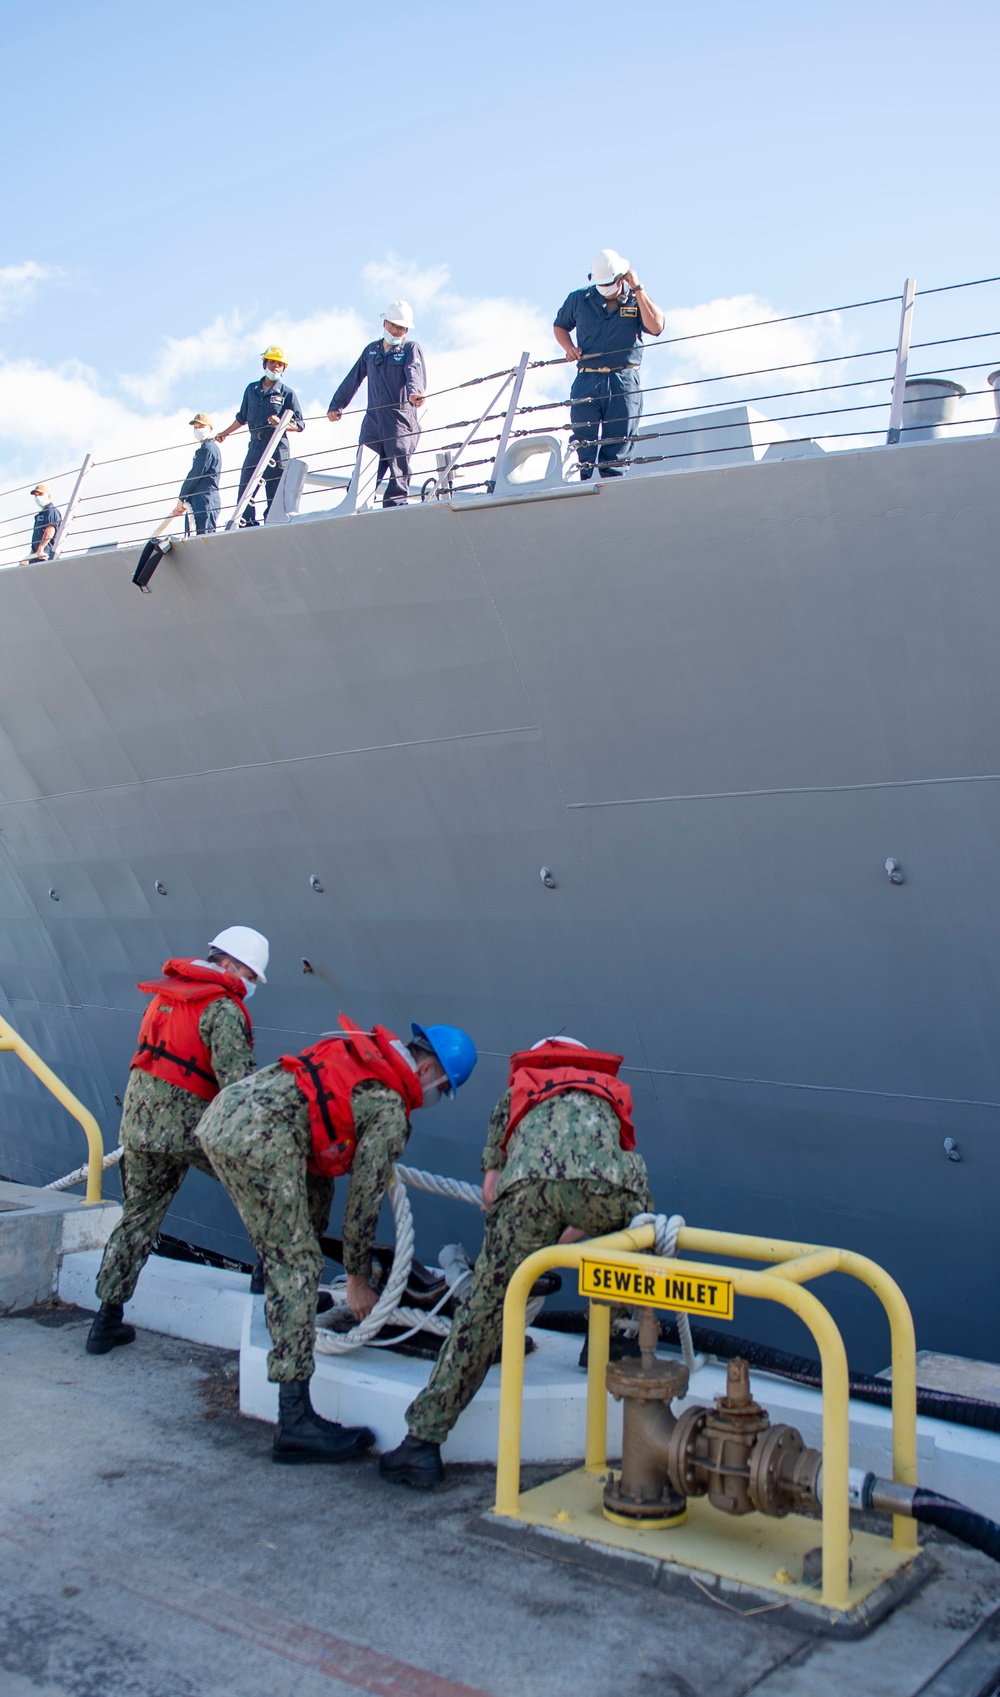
(444, 475)
(515, 396)
(70, 504)
(255, 481)
(902, 355)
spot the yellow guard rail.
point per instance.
(795, 1264)
(13, 1043)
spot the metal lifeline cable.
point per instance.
(784, 441)
(945, 341)
(946, 288)
(828, 412)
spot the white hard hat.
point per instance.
(399, 312)
(607, 265)
(574, 1041)
(247, 946)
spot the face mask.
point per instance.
(41, 500)
(251, 984)
(608, 290)
(273, 376)
(432, 1096)
(393, 341)
(202, 435)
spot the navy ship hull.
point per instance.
(712, 705)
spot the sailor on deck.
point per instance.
(393, 367)
(199, 493)
(260, 409)
(559, 1165)
(610, 319)
(278, 1141)
(195, 1038)
(47, 521)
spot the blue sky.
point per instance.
(246, 165)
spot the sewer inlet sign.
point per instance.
(653, 1286)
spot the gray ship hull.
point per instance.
(713, 704)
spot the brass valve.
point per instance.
(730, 1452)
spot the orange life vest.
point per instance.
(326, 1074)
(537, 1074)
(170, 1044)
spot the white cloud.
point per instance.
(20, 283)
(394, 279)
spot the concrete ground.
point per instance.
(150, 1548)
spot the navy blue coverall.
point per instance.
(606, 398)
(256, 407)
(43, 518)
(390, 426)
(200, 488)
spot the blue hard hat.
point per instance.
(454, 1049)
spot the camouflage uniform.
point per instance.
(564, 1166)
(158, 1136)
(256, 1136)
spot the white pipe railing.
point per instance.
(262, 464)
(70, 504)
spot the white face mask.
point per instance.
(432, 1096)
(393, 341)
(251, 984)
(41, 500)
(608, 290)
(272, 376)
(202, 433)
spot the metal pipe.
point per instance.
(902, 355)
(598, 1351)
(255, 481)
(70, 504)
(13, 1042)
(515, 396)
(897, 1309)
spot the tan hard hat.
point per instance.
(203, 419)
(39, 489)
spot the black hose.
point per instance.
(963, 1523)
(864, 1387)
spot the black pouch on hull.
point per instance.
(149, 559)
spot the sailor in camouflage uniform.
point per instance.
(195, 1038)
(559, 1165)
(278, 1141)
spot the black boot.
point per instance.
(303, 1435)
(415, 1461)
(108, 1329)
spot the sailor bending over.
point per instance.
(559, 1165)
(195, 1038)
(278, 1141)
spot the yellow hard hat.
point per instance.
(275, 353)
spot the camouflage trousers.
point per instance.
(150, 1181)
(285, 1210)
(528, 1216)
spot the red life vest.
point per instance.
(537, 1074)
(326, 1074)
(170, 1044)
